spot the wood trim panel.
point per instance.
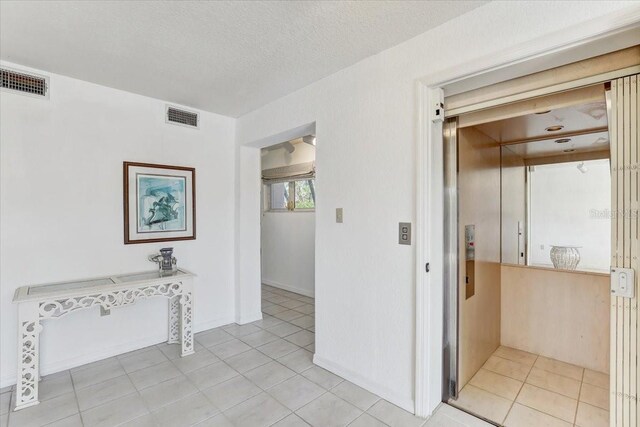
(539, 267)
(602, 64)
(479, 205)
(554, 101)
(556, 313)
(572, 157)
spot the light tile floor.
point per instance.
(254, 375)
(520, 389)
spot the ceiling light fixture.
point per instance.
(570, 150)
(554, 128)
(562, 140)
(309, 139)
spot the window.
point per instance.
(305, 197)
(279, 195)
(292, 195)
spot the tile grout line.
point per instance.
(198, 390)
(532, 385)
(138, 391)
(386, 425)
(272, 360)
(542, 388)
(10, 405)
(216, 385)
(261, 390)
(297, 373)
(546, 370)
(549, 372)
(505, 359)
(575, 417)
(96, 384)
(363, 411)
(549, 415)
(80, 412)
(239, 338)
(277, 361)
(294, 309)
(75, 394)
(524, 381)
(240, 374)
(144, 402)
(562, 375)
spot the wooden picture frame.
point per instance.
(159, 203)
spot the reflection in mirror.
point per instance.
(569, 208)
(514, 207)
(563, 205)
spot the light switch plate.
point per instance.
(623, 282)
(404, 233)
(339, 215)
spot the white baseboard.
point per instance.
(305, 292)
(72, 362)
(214, 323)
(242, 320)
(403, 402)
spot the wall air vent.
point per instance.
(23, 83)
(179, 116)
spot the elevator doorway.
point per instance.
(530, 333)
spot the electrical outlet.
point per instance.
(339, 215)
(404, 233)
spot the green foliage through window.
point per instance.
(293, 195)
(305, 195)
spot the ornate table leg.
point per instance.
(28, 355)
(186, 320)
(174, 320)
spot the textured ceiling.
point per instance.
(225, 57)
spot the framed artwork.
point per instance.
(159, 203)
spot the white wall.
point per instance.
(366, 119)
(288, 251)
(61, 210)
(568, 207)
(288, 238)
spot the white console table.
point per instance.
(52, 301)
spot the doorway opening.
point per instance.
(533, 245)
(288, 244)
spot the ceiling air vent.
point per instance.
(27, 84)
(179, 116)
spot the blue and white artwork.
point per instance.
(161, 203)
